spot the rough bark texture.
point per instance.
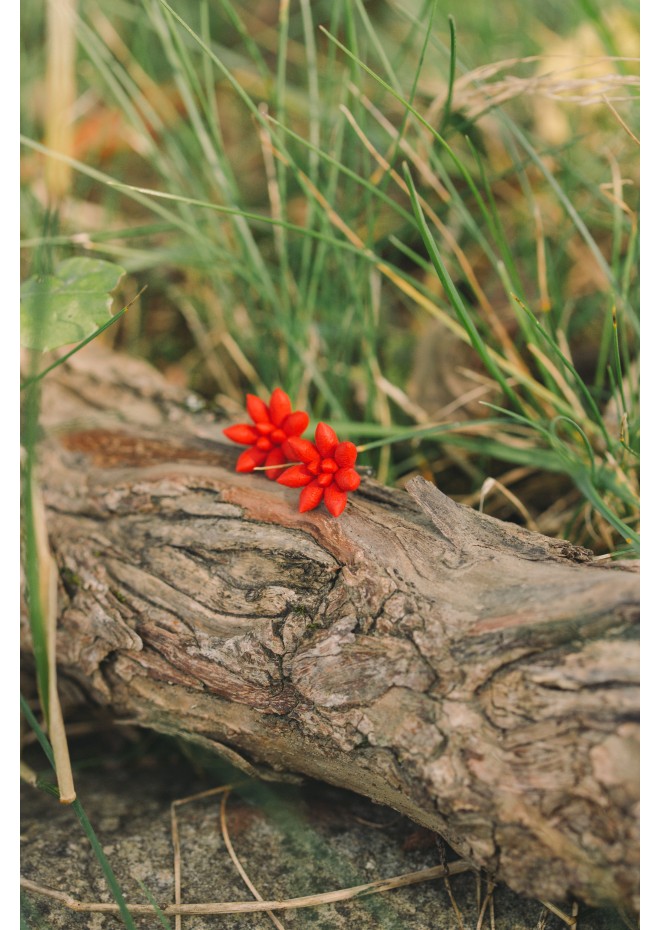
(479, 678)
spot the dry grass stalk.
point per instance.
(28, 775)
(425, 171)
(176, 842)
(569, 919)
(476, 91)
(234, 858)
(274, 197)
(559, 379)
(487, 903)
(491, 483)
(254, 907)
(203, 337)
(541, 264)
(402, 400)
(48, 576)
(621, 121)
(61, 94)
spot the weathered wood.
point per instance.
(479, 678)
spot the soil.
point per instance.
(292, 840)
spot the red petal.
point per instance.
(257, 409)
(347, 479)
(250, 459)
(310, 497)
(304, 451)
(288, 451)
(324, 480)
(296, 423)
(280, 406)
(335, 499)
(242, 433)
(326, 440)
(295, 477)
(276, 457)
(346, 454)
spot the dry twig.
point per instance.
(254, 907)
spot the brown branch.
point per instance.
(481, 679)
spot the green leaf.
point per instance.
(69, 305)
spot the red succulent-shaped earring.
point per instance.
(326, 473)
(269, 435)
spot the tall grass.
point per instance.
(316, 196)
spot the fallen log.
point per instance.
(479, 678)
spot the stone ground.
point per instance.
(292, 840)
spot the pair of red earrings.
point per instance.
(324, 468)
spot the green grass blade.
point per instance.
(446, 113)
(29, 438)
(530, 456)
(421, 432)
(413, 90)
(498, 232)
(617, 364)
(385, 62)
(84, 822)
(32, 573)
(250, 45)
(351, 38)
(630, 262)
(467, 177)
(595, 13)
(585, 485)
(81, 345)
(209, 100)
(131, 232)
(453, 295)
(313, 87)
(535, 425)
(561, 446)
(163, 918)
(579, 382)
(133, 192)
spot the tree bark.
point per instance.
(479, 678)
